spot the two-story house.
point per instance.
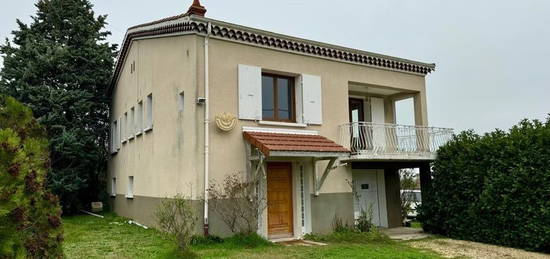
(195, 99)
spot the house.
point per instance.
(195, 99)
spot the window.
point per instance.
(149, 122)
(278, 98)
(181, 101)
(139, 119)
(124, 129)
(132, 123)
(119, 133)
(113, 187)
(130, 193)
(114, 138)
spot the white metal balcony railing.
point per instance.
(368, 140)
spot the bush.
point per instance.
(177, 218)
(238, 203)
(493, 188)
(362, 232)
(364, 222)
(30, 222)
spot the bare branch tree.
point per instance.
(177, 218)
(238, 202)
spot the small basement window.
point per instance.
(113, 187)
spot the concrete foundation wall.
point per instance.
(326, 206)
(142, 209)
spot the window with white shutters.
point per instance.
(262, 98)
(278, 102)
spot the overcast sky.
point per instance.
(493, 57)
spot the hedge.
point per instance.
(493, 188)
(30, 222)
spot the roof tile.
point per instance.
(268, 142)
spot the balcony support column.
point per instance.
(420, 109)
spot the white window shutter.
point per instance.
(312, 99)
(377, 111)
(250, 92)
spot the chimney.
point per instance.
(196, 9)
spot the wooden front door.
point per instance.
(279, 200)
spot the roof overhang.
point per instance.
(192, 24)
(294, 145)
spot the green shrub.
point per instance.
(493, 188)
(362, 232)
(338, 225)
(30, 222)
(364, 221)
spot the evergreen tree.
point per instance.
(60, 66)
(30, 222)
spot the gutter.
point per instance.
(206, 127)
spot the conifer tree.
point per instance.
(30, 222)
(60, 66)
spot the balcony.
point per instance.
(375, 141)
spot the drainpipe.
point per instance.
(206, 128)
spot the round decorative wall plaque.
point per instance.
(226, 121)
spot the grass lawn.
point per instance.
(112, 237)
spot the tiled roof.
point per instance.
(193, 24)
(270, 142)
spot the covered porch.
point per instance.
(389, 124)
(288, 163)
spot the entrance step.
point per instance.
(404, 233)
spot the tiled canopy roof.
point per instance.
(192, 24)
(270, 142)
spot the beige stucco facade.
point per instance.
(169, 158)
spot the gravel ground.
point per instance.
(450, 248)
